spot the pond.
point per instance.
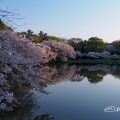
(74, 93)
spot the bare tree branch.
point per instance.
(11, 18)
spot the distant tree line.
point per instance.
(93, 44)
(37, 38)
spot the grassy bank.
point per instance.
(94, 61)
(110, 61)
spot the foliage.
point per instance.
(111, 48)
(41, 38)
(76, 43)
(38, 38)
(29, 34)
(94, 44)
(117, 46)
(3, 26)
(43, 35)
(63, 51)
(53, 38)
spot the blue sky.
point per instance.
(69, 18)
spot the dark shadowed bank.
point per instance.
(86, 61)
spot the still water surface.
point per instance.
(75, 93)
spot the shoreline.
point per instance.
(86, 62)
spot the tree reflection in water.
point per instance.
(44, 117)
(92, 76)
(52, 75)
(96, 73)
(25, 112)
